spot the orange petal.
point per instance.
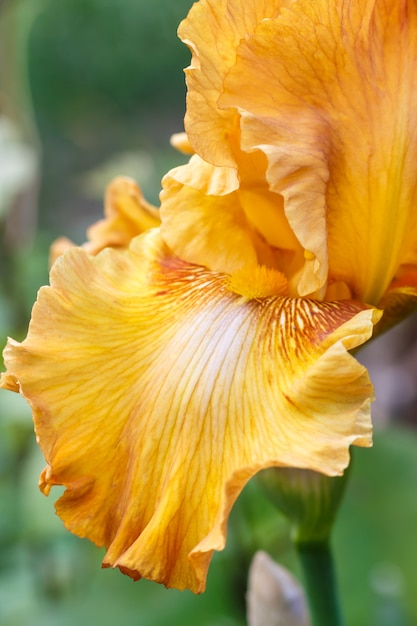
(328, 92)
(204, 177)
(181, 142)
(208, 219)
(202, 228)
(157, 393)
(127, 214)
(215, 27)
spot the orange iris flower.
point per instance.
(165, 373)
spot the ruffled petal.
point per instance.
(298, 172)
(127, 214)
(215, 28)
(210, 219)
(328, 92)
(202, 219)
(204, 177)
(157, 392)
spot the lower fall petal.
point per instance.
(157, 392)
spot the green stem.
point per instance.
(321, 586)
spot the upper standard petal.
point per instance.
(211, 218)
(212, 30)
(202, 220)
(180, 390)
(328, 92)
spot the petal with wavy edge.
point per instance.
(298, 173)
(264, 208)
(58, 247)
(157, 393)
(127, 214)
(207, 218)
(203, 228)
(206, 178)
(329, 94)
(215, 28)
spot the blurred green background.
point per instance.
(90, 89)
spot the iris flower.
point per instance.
(167, 369)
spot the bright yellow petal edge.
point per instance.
(157, 392)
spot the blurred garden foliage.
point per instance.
(107, 84)
(90, 89)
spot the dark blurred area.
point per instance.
(91, 89)
(88, 90)
(108, 91)
(102, 86)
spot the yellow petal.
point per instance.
(203, 228)
(264, 210)
(328, 92)
(215, 27)
(181, 142)
(157, 393)
(298, 173)
(127, 214)
(208, 219)
(204, 177)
